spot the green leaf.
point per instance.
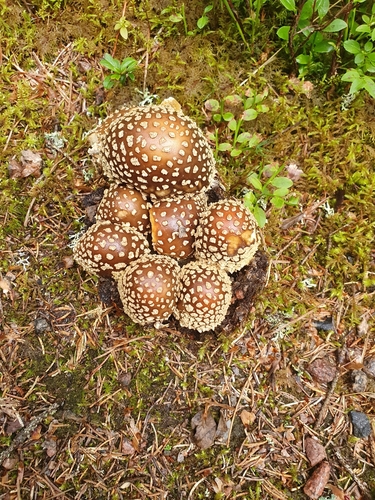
(289, 4)
(373, 35)
(359, 59)
(368, 46)
(253, 179)
(350, 75)
(212, 105)
(282, 182)
(224, 146)
(245, 136)
(352, 47)
(175, 18)
(108, 82)
(249, 114)
(260, 216)
(293, 200)
(306, 12)
(235, 152)
(217, 117)
(124, 33)
(254, 141)
(356, 86)
(228, 116)
(249, 200)
(323, 47)
(202, 22)
(232, 125)
(110, 63)
(208, 8)
(277, 202)
(363, 28)
(369, 85)
(281, 192)
(232, 100)
(336, 25)
(249, 103)
(283, 32)
(322, 6)
(303, 59)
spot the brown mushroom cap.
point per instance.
(156, 150)
(204, 298)
(124, 205)
(174, 223)
(148, 289)
(107, 247)
(227, 235)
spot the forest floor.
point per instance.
(95, 407)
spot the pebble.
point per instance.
(361, 424)
(359, 381)
(315, 452)
(315, 485)
(370, 367)
(322, 370)
(41, 325)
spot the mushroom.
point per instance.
(148, 289)
(204, 297)
(123, 205)
(154, 149)
(227, 235)
(107, 247)
(174, 223)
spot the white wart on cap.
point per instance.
(124, 205)
(148, 289)
(107, 247)
(174, 223)
(156, 150)
(227, 235)
(205, 296)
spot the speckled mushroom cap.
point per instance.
(205, 295)
(107, 247)
(173, 225)
(154, 149)
(227, 235)
(148, 289)
(124, 205)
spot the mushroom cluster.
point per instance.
(170, 251)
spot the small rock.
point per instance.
(317, 482)
(325, 325)
(41, 325)
(370, 367)
(315, 452)
(361, 424)
(124, 378)
(359, 381)
(322, 370)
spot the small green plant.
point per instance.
(362, 47)
(237, 140)
(179, 15)
(121, 71)
(268, 186)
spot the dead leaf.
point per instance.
(363, 327)
(127, 448)
(222, 428)
(30, 163)
(50, 446)
(5, 286)
(247, 417)
(294, 173)
(337, 492)
(205, 429)
(36, 434)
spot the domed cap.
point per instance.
(124, 205)
(148, 289)
(156, 150)
(107, 247)
(174, 223)
(205, 296)
(228, 235)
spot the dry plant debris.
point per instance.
(93, 407)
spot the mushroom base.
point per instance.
(247, 283)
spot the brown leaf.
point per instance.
(50, 446)
(318, 480)
(247, 417)
(315, 452)
(294, 173)
(127, 448)
(5, 285)
(30, 164)
(222, 428)
(322, 370)
(205, 429)
(36, 434)
(13, 426)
